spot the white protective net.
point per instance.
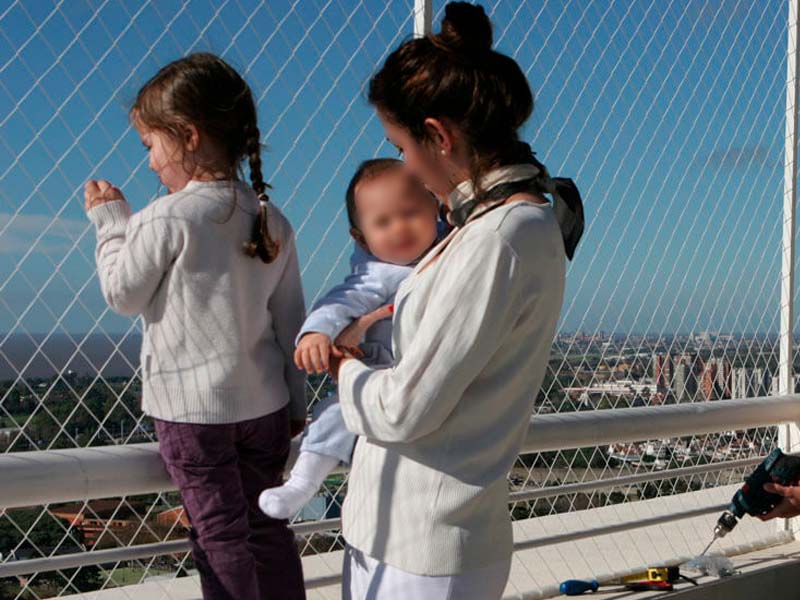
(669, 116)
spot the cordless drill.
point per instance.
(752, 499)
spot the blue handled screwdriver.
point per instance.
(576, 587)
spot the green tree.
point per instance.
(28, 532)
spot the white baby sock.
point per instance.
(307, 475)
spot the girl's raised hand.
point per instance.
(99, 192)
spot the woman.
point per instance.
(426, 514)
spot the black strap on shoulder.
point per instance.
(567, 202)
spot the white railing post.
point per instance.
(789, 435)
(423, 17)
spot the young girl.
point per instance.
(212, 268)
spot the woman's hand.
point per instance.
(99, 192)
(789, 506)
(342, 356)
(354, 333)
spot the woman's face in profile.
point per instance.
(421, 160)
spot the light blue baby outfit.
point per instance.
(370, 285)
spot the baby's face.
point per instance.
(396, 216)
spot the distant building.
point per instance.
(715, 380)
(723, 382)
(6, 433)
(95, 517)
(740, 380)
(703, 338)
(708, 380)
(172, 517)
(685, 379)
(751, 383)
(591, 394)
(775, 385)
(762, 382)
(662, 371)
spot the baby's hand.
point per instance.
(99, 192)
(312, 354)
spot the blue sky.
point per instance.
(669, 115)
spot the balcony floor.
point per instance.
(536, 571)
(772, 573)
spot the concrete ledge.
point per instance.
(537, 570)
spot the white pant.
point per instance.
(364, 578)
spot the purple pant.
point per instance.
(241, 553)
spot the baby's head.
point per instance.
(391, 214)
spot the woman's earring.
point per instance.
(443, 151)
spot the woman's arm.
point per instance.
(471, 310)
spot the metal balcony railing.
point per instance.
(43, 477)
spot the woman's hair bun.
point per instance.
(466, 28)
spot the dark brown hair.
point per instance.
(369, 169)
(203, 90)
(455, 74)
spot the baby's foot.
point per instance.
(308, 473)
(286, 501)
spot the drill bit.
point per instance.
(711, 543)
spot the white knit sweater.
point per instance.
(219, 326)
(428, 491)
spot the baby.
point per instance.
(394, 222)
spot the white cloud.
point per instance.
(18, 232)
(742, 157)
